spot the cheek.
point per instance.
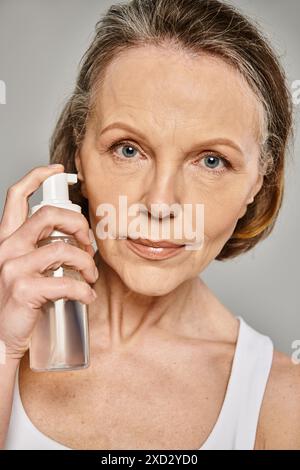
(219, 223)
(222, 210)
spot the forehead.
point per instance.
(165, 88)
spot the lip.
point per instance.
(157, 244)
(145, 250)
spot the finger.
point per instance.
(40, 226)
(91, 249)
(16, 207)
(35, 292)
(50, 257)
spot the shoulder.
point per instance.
(279, 421)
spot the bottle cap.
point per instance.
(56, 193)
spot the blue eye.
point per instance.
(131, 151)
(127, 150)
(212, 161)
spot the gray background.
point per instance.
(41, 43)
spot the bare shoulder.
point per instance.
(279, 421)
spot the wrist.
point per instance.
(8, 358)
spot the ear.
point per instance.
(256, 188)
(254, 191)
(80, 173)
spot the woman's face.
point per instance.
(193, 139)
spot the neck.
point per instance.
(120, 316)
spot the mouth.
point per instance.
(154, 250)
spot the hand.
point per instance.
(23, 287)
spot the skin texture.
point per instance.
(158, 334)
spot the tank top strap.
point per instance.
(237, 423)
(249, 383)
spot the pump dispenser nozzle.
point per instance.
(56, 193)
(55, 188)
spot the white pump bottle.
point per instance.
(60, 340)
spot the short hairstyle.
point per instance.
(195, 26)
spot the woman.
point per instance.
(197, 96)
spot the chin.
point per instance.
(150, 285)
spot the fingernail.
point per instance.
(91, 236)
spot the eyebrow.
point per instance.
(213, 141)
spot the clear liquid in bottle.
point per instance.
(60, 340)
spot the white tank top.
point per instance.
(235, 427)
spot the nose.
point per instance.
(163, 191)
